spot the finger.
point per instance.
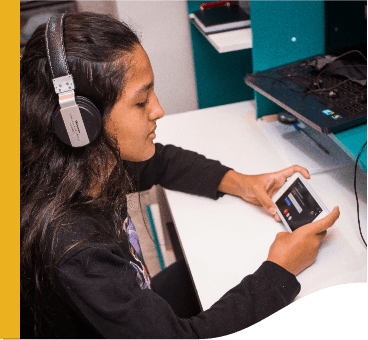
(277, 218)
(265, 200)
(295, 168)
(325, 223)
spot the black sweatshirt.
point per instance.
(104, 289)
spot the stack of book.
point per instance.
(220, 17)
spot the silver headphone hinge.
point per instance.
(63, 84)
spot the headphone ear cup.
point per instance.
(91, 117)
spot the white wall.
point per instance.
(163, 27)
(98, 6)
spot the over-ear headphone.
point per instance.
(77, 121)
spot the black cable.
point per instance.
(136, 190)
(345, 66)
(352, 51)
(305, 91)
(143, 217)
(309, 90)
(355, 190)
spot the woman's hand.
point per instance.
(258, 189)
(298, 250)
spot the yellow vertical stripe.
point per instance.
(9, 169)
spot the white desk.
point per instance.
(227, 239)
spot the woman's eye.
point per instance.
(143, 104)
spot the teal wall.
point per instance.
(274, 24)
(219, 76)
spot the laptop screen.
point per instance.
(345, 24)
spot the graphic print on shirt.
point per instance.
(143, 278)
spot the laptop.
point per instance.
(327, 92)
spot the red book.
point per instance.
(208, 5)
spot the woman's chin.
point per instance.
(142, 156)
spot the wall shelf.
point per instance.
(229, 41)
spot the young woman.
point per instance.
(82, 271)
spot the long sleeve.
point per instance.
(102, 285)
(180, 170)
(105, 283)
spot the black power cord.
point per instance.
(308, 89)
(355, 190)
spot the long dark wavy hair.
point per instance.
(56, 179)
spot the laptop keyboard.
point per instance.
(343, 93)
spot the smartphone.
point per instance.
(297, 204)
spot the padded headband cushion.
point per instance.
(55, 46)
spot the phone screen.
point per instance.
(297, 205)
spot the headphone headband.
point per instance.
(55, 47)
